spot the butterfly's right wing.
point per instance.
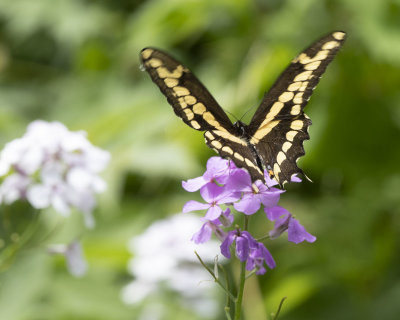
(279, 126)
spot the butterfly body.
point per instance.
(273, 140)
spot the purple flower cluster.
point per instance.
(224, 184)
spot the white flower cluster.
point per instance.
(164, 259)
(52, 166)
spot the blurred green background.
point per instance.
(76, 61)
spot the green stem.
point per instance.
(229, 294)
(279, 308)
(242, 279)
(239, 299)
(251, 274)
(263, 238)
(227, 302)
(227, 313)
(8, 254)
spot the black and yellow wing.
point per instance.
(274, 138)
(197, 108)
(279, 126)
(190, 99)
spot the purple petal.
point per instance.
(295, 178)
(232, 166)
(239, 181)
(249, 204)
(193, 184)
(250, 264)
(228, 197)
(227, 244)
(219, 233)
(280, 226)
(278, 230)
(268, 181)
(210, 192)
(253, 244)
(269, 260)
(271, 197)
(262, 270)
(217, 164)
(225, 219)
(213, 213)
(204, 234)
(193, 205)
(258, 255)
(275, 212)
(218, 169)
(242, 248)
(297, 233)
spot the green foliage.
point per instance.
(76, 61)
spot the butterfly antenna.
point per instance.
(248, 110)
(230, 113)
(307, 177)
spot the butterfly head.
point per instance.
(240, 128)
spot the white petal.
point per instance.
(4, 167)
(60, 205)
(75, 141)
(79, 178)
(83, 200)
(99, 185)
(13, 152)
(46, 135)
(96, 159)
(137, 291)
(76, 261)
(14, 187)
(31, 160)
(39, 196)
(52, 173)
(89, 219)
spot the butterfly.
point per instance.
(273, 140)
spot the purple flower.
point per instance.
(244, 241)
(224, 183)
(205, 232)
(247, 248)
(284, 221)
(214, 196)
(254, 194)
(257, 257)
(218, 170)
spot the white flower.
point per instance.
(164, 257)
(51, 166)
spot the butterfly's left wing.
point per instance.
(279, 126)
(193, 103)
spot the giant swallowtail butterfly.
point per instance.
(273, 140)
